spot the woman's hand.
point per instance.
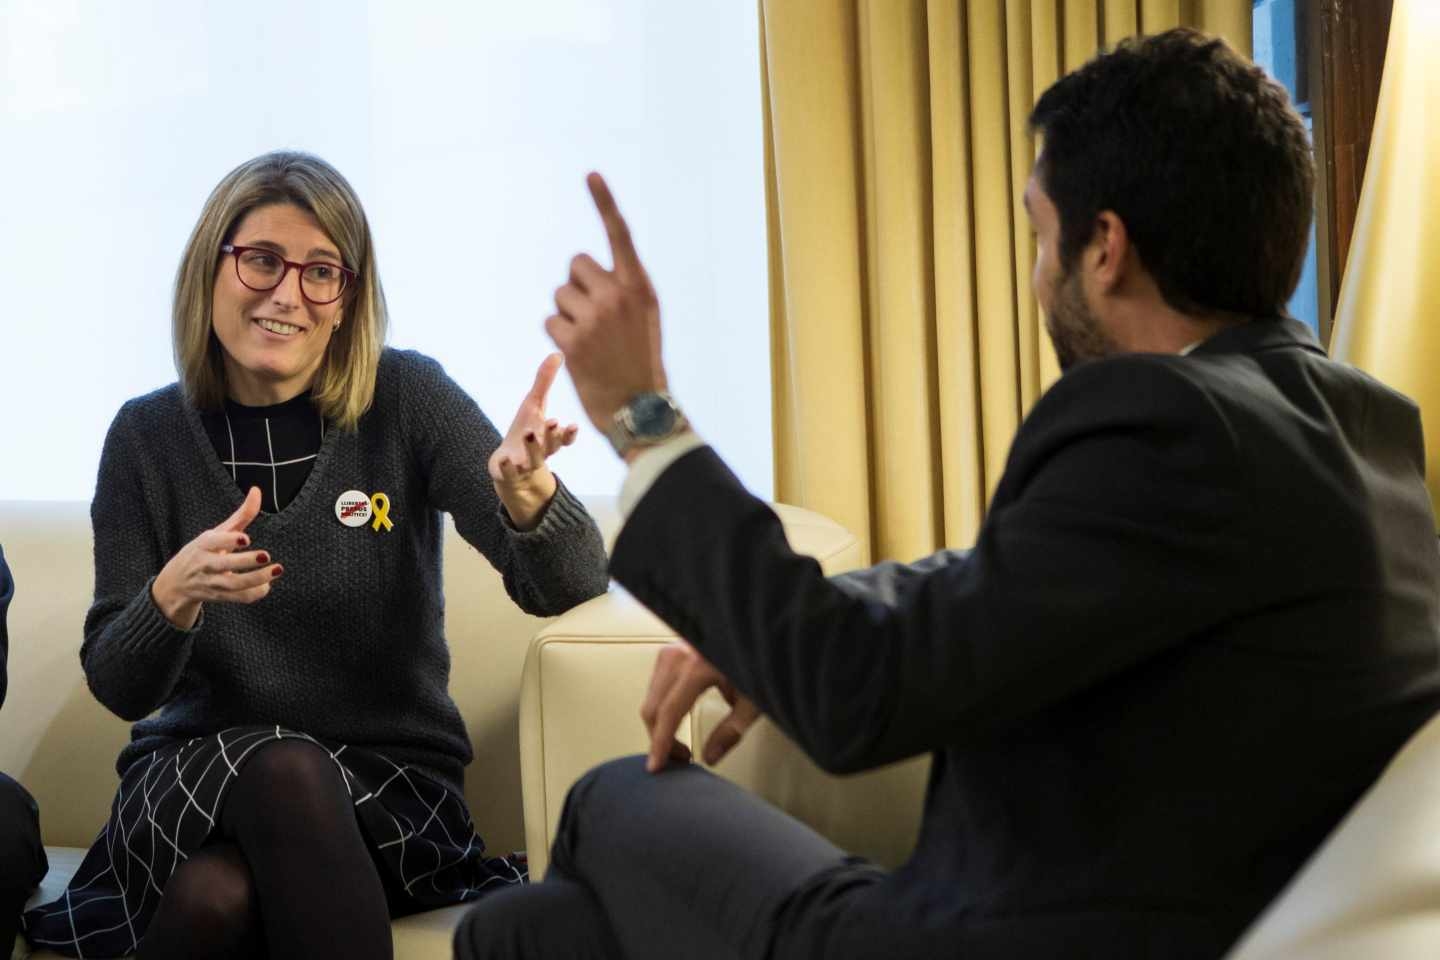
(210, 568)
(522, 479)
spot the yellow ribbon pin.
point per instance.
(381, 505)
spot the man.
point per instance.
(1199, 619)
(22, 856)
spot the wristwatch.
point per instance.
(646, 419)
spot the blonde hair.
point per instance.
(344, 385)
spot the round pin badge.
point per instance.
(353, 508)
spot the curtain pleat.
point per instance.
(906, 343)
(819, 380)
(1158, 15)
(962, 454)
(1029, 327)
(1122, 19)
(895, 109)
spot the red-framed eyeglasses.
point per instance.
(262, 269)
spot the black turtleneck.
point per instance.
(272, 447)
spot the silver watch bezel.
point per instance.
(621, 433)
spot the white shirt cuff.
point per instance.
(649, 465)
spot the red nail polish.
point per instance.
(276, 570)
(530, 437)
(262, 559)
(243, 541)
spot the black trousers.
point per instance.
(680, 864)
(22, 856)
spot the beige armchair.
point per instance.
(599, 655)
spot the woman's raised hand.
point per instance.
(215, 567)
(518, 467)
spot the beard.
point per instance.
(1074, 330)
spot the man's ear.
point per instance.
(1108, 253)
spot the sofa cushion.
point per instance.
(423, 936)
(64, 861)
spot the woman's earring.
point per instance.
(336, 325)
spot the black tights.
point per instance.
(287, 874)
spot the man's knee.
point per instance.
(602, 788)
(619, 784)
(619, 777)
(22, 856)
(619, 805)
(593, 798)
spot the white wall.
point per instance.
(466, 128)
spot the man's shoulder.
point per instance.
(1270, 393)
(1130, 389)
(1344, 379)
(1120, 427)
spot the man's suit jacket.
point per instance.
(1200, 617)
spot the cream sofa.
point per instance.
(583, 680)
(546, 700)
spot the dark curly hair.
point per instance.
(1199, 153)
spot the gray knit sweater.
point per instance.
(349, 645)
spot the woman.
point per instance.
(267, 577)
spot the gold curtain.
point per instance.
(1388, 318)
(906, 345)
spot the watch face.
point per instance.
(651, 415)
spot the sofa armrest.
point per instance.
(584, 679)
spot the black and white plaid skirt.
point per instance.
(419, 832)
